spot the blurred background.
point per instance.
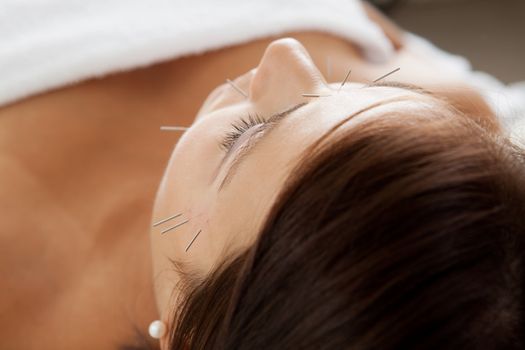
(490, 33)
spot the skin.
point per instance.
(231, 216)
(80, 168)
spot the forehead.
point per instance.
(243, 205)
(280, 149)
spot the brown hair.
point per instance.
(402, 232)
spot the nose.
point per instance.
(286, 71)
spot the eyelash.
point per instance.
(239, 127)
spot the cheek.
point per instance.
(185, 189)
(242, 207)
(172, 245)
(194, 159)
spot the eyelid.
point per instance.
(237, 128)
(240, 151)
(248, 145)
(244, 140)
(266, 124)
(245, 137)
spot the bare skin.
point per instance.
(80, 167)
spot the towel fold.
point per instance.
(47, 44)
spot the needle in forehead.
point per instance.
(174, 227)
(386, 75)
(166, 219)
(191, 242)
(344, 80)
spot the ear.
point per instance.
(391, 30)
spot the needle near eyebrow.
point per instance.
(238, 89)
(189, 245)
(166, 219)
(174, 227)
(314, 95)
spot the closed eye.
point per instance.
(239, 127)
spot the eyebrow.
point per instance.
(254, 139)
(399, 85)
(274, 120)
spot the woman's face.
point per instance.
(226, 191)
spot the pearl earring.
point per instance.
(157, 329)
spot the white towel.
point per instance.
(46, 44)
